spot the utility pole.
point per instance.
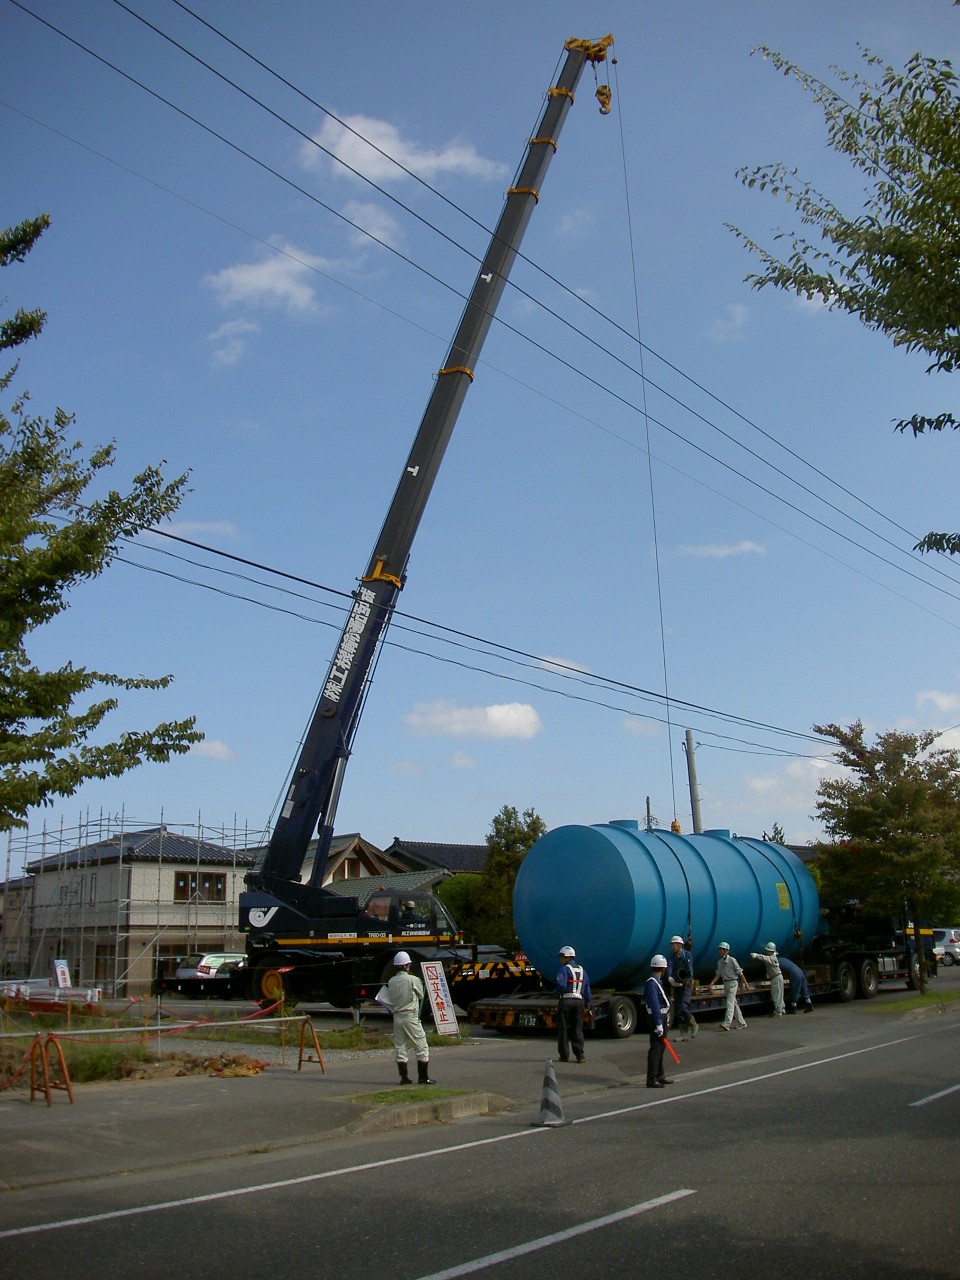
(692, 779)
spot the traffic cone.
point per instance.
(551, 1112)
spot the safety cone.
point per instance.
(551, 1112)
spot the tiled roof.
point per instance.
(363, 887)
(449, 857)
(155, 844)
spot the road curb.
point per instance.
(408, 1114)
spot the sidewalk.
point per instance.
(117, 1127)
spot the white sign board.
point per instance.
(62, 970)
(435, 981)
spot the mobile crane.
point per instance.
(304, 941)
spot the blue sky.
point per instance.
(206, 309)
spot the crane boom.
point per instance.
(311, 799)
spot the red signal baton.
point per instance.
(671, 1051)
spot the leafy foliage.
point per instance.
(51, 539)
(895, 820)
(486, 910)
(895, 263)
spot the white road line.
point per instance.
(739, 1084)
(922, 1102)
(558, 1237)
(532, 1132)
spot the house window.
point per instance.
(207, 886)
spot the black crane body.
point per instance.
(304, 939)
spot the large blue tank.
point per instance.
(618, 893)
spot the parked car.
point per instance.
(949, 940)
(217, 964)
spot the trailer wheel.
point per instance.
(846, 981)
(621, 1017)
(869, 979)
(913, 982)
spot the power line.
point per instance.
(540, 347)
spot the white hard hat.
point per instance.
(771, 947)
(658, 962)
(401, 959)
(676, 938)
(723, 946)
(568, 952)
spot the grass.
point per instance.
(408, 1093)
(85, 1062)
(931, 1000)
(117, 1057)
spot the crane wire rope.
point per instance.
(646, 426)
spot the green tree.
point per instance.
(458, 895)
(895, 822)
(777, 835)
(489, 914)
(895, 262)
(51, 539)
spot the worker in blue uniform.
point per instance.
(799, 991)
(657, 1004)
(573, 988)
(680, 984)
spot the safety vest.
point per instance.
(575, 990)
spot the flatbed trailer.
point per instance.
(861, 973)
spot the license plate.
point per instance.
(527, 1020)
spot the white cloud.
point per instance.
(212, 749)
(504, 720)
(641, 726)
(408, 768)
(460, 760)
(720, 551)
(427, 163)
(281, 282)
(230, 341)
(948, 703)
(374, 219)
(563, 665)
(576, 222)
(730, 326)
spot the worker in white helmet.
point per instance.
(405, 992)
(771, 964)
(573, 988)
(680, 983)
(731, 975)
(657, 1004)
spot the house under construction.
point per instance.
(112, 897)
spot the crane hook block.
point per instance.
(604, 97)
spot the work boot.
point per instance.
(404, 1078)
(693, 1028)
(423, 1073)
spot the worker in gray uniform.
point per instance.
(731, 975)
(771, 964)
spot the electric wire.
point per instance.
(573, 294)
(543, 349)
(527, 683)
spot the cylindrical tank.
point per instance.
(618, 893)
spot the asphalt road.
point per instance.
(834, 1159)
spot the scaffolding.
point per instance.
(113, 895)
